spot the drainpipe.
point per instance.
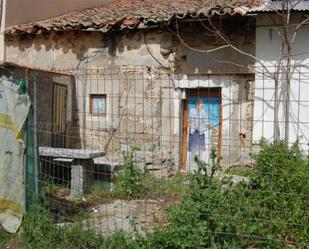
(0, 12)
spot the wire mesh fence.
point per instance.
(118, 148)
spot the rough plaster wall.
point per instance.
(96, 129)
(246, 107)
(135, 95)
(69, 51)
(88, 55)
(193, 58)
(134, 118)
(53, 52)
(90, 52)
(140, 111)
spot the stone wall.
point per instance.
(140, 110)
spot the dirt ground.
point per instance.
(128, 215)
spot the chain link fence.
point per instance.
(119, 148)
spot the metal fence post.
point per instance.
(32, 186)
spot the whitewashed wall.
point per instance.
(267, 51)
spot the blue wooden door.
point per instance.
(202, 124)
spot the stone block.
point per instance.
(81, 177)
(77, 180)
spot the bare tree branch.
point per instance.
(282, 69)
(210, 51)
(221, 35)
(297, 29)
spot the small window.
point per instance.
(98, 104)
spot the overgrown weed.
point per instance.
(270, 211)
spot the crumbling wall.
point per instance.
(140, 114)
(143, 74)
(68, 51)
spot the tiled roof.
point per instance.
(275, 5)
(130, 14)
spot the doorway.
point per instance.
(59, 115)
(202, 125)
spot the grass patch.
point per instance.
(174, 187)
(4, 238)
(153, 188)
(100, 193)
(132, 183)
(10, 241)
(39, 231)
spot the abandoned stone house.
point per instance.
(135, 69)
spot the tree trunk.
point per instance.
(276, 113)
(287, 96)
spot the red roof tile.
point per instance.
(130, 14)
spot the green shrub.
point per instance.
(174, 187)
(131, 182)
(240, 170)
(129, 179)
(268, 212)
(280, 168)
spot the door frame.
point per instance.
(203, 91)
(53, 112)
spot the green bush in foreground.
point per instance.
(271, 211)
(129, 179)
